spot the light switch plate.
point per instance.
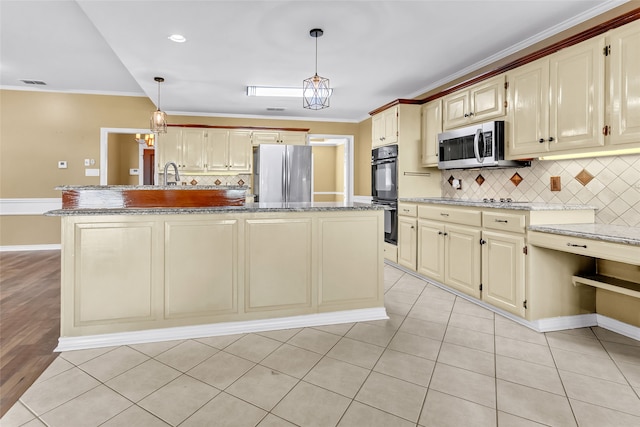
(87, 162)
(62, 164)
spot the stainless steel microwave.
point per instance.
(475, 146)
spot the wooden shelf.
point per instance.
(609, 283)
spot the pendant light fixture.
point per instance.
(159, 118)
(316, 90)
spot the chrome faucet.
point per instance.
(177, 175)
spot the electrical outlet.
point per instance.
(87, 162)
(62, 164)
(555, 183)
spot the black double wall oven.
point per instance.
(384, 187)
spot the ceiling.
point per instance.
(372, 51)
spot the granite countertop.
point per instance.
(246, 208)
(151, 187)
(523, 206)
(605, 232)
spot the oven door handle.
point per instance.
(476, 145)
(382, 162)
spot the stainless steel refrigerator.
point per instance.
(282, 173)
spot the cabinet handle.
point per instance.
(412, 227)
(541, 140)
(501, 220)
(573, 245)
(471, 114)
(551, 139)
(482, 241)
(466, 115)
(444, 214)
(446, 234)
(405, 210)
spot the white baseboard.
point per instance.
(29, 206)
(217, 329)
(542, 325)
(362, 199)
(20, 248)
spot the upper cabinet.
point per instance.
(431, 127)
(279, 137)
(228, 150)
(580, 99)
(478, 103)
(385, 127)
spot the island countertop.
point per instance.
(246, 208)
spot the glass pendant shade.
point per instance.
(159, 122)
(316, 92)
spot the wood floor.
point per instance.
(29, 319)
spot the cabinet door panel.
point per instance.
(169, 148)
(278, 264)
(391, 125)
(217, 149)
(293, 138)
(503, 280)
(431, 249)
(487, 99)
(201, 266)
(264, 137)
(239, 151)
(462, 259)
(193, 146)
(431, 127)
(454, 108)
(625, 84)
(577, 96)
(407, 244)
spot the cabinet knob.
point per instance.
(445, 234)
(412, 227)
(466, 115)
(550, 139)
(482, 241)
(471, 114)
(541, 140)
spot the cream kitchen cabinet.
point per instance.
(279, 137)
(228, 150)
(431, 127)
(407, 235)
(478, 103)
(385, 127)
(448, 246)
(183, 146)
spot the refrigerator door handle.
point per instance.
(284, 175)
(287, 168)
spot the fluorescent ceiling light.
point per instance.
(287, 92)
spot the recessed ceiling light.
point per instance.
(178, 38)
(33, 82)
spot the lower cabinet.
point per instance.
(407, 242)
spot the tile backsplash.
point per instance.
(241, 179)
(612, 184)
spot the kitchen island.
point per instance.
(141, 274)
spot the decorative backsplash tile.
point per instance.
(241, 179)
(614, 187)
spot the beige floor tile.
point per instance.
(282, 335)
(272, 421)
(143, 380)
(526, 351)
(622, 352)
(392, 273)
(467, 358)
(153, 349)
(253, 347)
(631, 372)
(392, 323)
(339, 329)
(34, 423)
(401, 297)
(430, 315)
(527, 402)
(529, 374)
(356, 352)
(371, 334)
(471, 339)
(610, 336)
(405, 367)
(89, 409)
(509, 420)
(337, 376)
(415, 345)
(314, 340)
(435, 304)
(397, 308)
(463, 306)
(135, 416)
(589, 415)
(578, 332)
(225, 410)
(113, 363)
(78, 357)
(186, 355)
(392, 395)
(473, 323)
(432, 291)
(360, 415)
(509, 329)
(177, 400)
(46, 395)
(577, 344)
(464, 384)
(220, 342)
(619, 397)
(587, 364)
(294, 361)
(262, 387)
(409, 284)
(424, 328)
(221, 369)
(58, 366)
(16, 416)
(311, 406)
(443, 410)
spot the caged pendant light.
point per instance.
(159, 118)
(316, 90)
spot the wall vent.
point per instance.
(276, 108)
(33, 82)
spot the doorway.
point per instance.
(332, 168)
(123, 159)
